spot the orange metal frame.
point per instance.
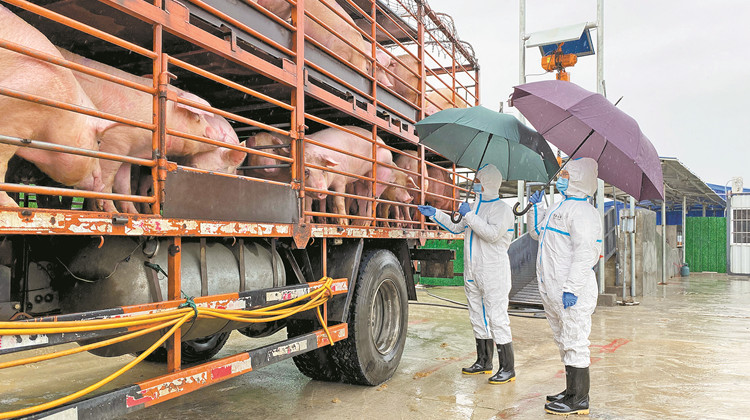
(176, 21)
(171, 17)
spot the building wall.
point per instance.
(648, 262)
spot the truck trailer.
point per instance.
(177, 170)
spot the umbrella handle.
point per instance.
(522, 212)
(455, 218)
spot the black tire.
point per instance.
(318, 364)
(378, 319)
(260, 330)
(194, 351)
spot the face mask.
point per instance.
(477, 188)
(562, 185)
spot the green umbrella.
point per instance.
(472, 137)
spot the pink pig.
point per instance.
(269, 139)
(344, 26)
(408, 72)
(397, 194)
(408, 161)
(30, 120)
(436, 101)
(324, 180)
(133, 141)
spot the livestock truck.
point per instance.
(142, 214)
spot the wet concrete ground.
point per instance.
(684, 353)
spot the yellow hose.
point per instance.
(60, 401)
(87, 347)
(147, 324)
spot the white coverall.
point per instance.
(488, 231)
(569, 246)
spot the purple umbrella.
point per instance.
(586, 124)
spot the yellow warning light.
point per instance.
(558, 61)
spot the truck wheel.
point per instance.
(194, 351)
(378, 319)
(317, 364)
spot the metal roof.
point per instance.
(680, 181)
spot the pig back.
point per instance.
(27, 119)
(438, 189)
(437, 101)
(351, 143)
(409, 78)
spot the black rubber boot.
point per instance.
(568, 387)
(485, 348)
(556, 397)
(506, 372)
(576, 401)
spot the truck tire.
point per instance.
(317, 364)
(194, 351)
(378, 319)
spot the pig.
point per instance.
(438, 194)
(330, 181)
(344, 26)
(280, 8)
(397, 194)
(436, 101)
(384, 60)
(31, 120)
(127, 140)
(409, 161)
(409, 73)
(269, 139)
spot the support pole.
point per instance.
(520, 219)
(551, 195)
(522, 42)
(174, 285)
(600, 47)
(663, 242)
(684, 226)
(600, 207)
(632, 248)
(521, 49)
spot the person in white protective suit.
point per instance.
(569, 235)
(488, 230)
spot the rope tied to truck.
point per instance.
(140, 325)
(189, 303)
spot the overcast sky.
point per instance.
(681, 67)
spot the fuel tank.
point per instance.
(120, 274)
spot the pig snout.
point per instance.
(315, 179)
(404, 196)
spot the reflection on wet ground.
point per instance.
(680, 354)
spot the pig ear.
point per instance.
(411, 183)
(250, 141)
(103, 125)
(235, 157)
(277, 140)
(211, 132)
(330, 162)
(189, 96)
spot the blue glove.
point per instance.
(569, 299)
(464, 208)
(428, 211)
(536, 197)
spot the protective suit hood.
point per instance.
(583, 173)
(491, 180)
